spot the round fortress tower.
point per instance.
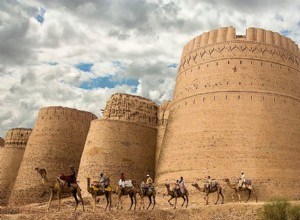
(123, 140)
(56, 142)
(236, 107)
(11, 155)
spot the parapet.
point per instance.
(131, 108)
(229, 34)
(17, 137)
(67, 113)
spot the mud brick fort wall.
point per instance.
(236, 107)
(1, 142)
(11, 155)
(162, 121)
(123, 141)
(56, 142)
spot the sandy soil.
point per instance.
(196, 210)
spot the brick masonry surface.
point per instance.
(236, 107)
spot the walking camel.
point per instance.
(100, 192)
(151, 193)
(56, 187)
(176, 195)
(237, 190)
(131, 191)
(216, 188)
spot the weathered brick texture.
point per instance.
(10, 159)
(122, 142)
(56, 142)
(236, 107)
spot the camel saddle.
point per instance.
(128, 183)
(63, 183)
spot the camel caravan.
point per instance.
(69, 185)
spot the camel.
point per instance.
(238, 189)
(217, 188)
(131, 191)
(56, 187)
(151, 193)
(100, 192)
(176, 195)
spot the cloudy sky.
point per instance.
(77, 53)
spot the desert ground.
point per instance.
(196, 209)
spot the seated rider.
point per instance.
(72, 176)
(177, 187)
(148, 184)
(102, 181)
(181, 183)
(242, 179)
(208, 183)
(122, 181)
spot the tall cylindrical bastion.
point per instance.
(11, 155)
(236, 107)
(56, 142)
(123, 140)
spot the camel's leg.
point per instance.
(154, 202)
(131, 199)
(206, 199)
(142, 204)
(222, 197)
(239, 196)
(109, 201)
(81, 199)
(248, 196)
(175, 202)
(58, 195)
(217, 197)
(134, 199)
(94, 202)
(50, 200)
(170, 200)
(183, 200)
(232, 195)
(106, 196)
(43, 194)
(187, 200)
(76, 200)
(150, 201)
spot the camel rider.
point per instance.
(181, 183)
(177, 187)
(149, 181)
(102, 181)
(242, 179)
(122, 181)
(72, 176)
(208, 182)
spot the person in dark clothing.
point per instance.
(72, 176)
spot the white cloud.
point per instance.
(131, 39)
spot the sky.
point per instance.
(77, 53)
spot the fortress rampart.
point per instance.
(236, 107)
(126, 145)
(56, 142)
(1, 142)
(10, 159)
(162, 117)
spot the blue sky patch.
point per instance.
(173, 65)
(285, 32)
(107, 82)
(85, 67)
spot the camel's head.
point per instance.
(88, 178)
(167, 185)
(226, 180)
(195, 184)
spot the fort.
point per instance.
(11, 154)
(235, 107)
(56, 142)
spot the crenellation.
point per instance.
(131, 108)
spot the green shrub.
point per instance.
(276, 209)
(294, 212)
